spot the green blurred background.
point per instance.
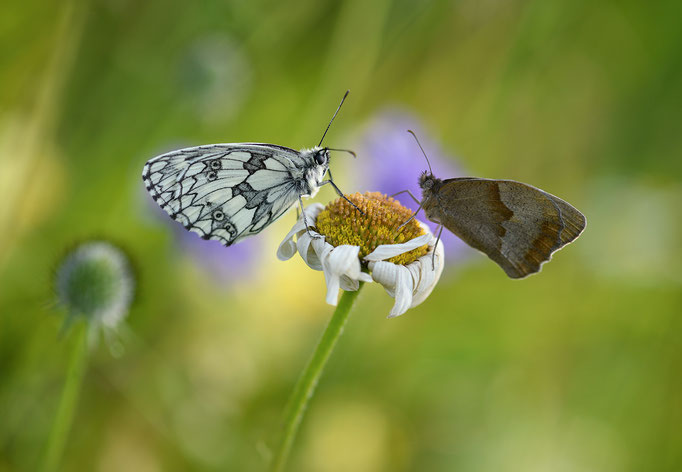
(576, 369)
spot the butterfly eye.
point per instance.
(320, 158)
(215, 165)
(212, 176)
(218, 215)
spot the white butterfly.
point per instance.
(227, 192)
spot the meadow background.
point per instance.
(578, 368)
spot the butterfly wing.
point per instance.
(224, 192)
(517, 225)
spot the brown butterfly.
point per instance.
(515, 224)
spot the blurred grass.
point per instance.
(573, 369)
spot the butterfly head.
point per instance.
(427, 180)
(321, 156)
(312, 174)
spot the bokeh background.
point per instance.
(578, 368)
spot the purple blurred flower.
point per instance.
(389, 161)
(230, 264)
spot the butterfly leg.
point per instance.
(433, 256)
(411, 217)
(415, 213)
(305, 220)
(338, 190)
(407, 192)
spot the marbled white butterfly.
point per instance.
(227, 192)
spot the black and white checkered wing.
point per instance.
(225, 191)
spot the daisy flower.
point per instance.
(350, 248)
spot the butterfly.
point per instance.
(227, 192)
(516, 225)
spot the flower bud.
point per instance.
(94, 281)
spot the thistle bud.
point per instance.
(94, 281)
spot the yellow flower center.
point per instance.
(340, 223)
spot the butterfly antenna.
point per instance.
(345, 150)
(420, 147)
(332, 120)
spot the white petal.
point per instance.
(352, 284)
(386, 251)
(410, 285)
(330, 276)
(384, 273)
(430, 270)
(306, 249)
(344, 260)
(287, 248)
(348, 284)
(318, 250)
(404, 288)
(340, 261)
(333, 285)
(397, 281)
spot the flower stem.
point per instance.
(67, 402)
(305, 387)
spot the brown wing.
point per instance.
(516, 225)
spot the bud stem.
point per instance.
(305, 387)
(67, 402)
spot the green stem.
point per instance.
(305, 387)
(67, 402)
